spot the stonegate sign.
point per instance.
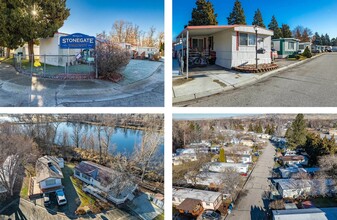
(77, 41)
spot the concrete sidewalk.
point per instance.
(142, 79)
(206, 83)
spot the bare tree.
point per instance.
(106, 140)
(229, 181)
(145, 152)
(76, 134)
(20, 152)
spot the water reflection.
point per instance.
(122, 140)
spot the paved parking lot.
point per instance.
(250, 204)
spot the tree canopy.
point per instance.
(29, 20)
(258, 20)
(203, 14)
(296, 134)
(285, 30)
(237, 16)
(273, 25)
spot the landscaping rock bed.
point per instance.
(252, 68)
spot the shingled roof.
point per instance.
(47, 167)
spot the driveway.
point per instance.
(144, 208)
(143, 86)
(24, 210)
(311, 84)
(250, 203)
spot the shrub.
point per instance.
(80, 211)
(156, 56)
(111, 59)
(307, 53)
(297, 57)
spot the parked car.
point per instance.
(210, 215)
(61, 198)
(46, 199)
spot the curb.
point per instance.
(83, 95)
(251, 81)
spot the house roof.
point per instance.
(292, 158)
(286, 39)
(212, 29)
(47, 167)
(304, 214)
(189, 204)
(203, 195)
(105, 175)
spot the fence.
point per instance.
(56, 66)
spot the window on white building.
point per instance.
(291, 46)
(247, 39)
(50, 182)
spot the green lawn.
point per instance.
(25, 187)
(159, 217)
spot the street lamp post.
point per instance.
(256, 28)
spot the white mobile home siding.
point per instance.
(50, 47)
(43, 184)
(223, 48)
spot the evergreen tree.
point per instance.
(273, 25)
(38, 19)
(317, 39)
(307, 53)
(323, 40)
(258, 20)
(222, 157)
(267, 130)
(258, 128)
(327, 40)
(9, 31)
(250, 128)
(296, 134)
(237, 16)
(285, 29)
(272, 130)
(203, 14)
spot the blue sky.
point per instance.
(320, 16)
(94, 16)
(204, 116)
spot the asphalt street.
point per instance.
(250, 203)
(311, 84)
(17, 90)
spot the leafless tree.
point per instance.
(22, 150)
(145, 152)
(76, 134)
(229, 181)
(107, 133)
